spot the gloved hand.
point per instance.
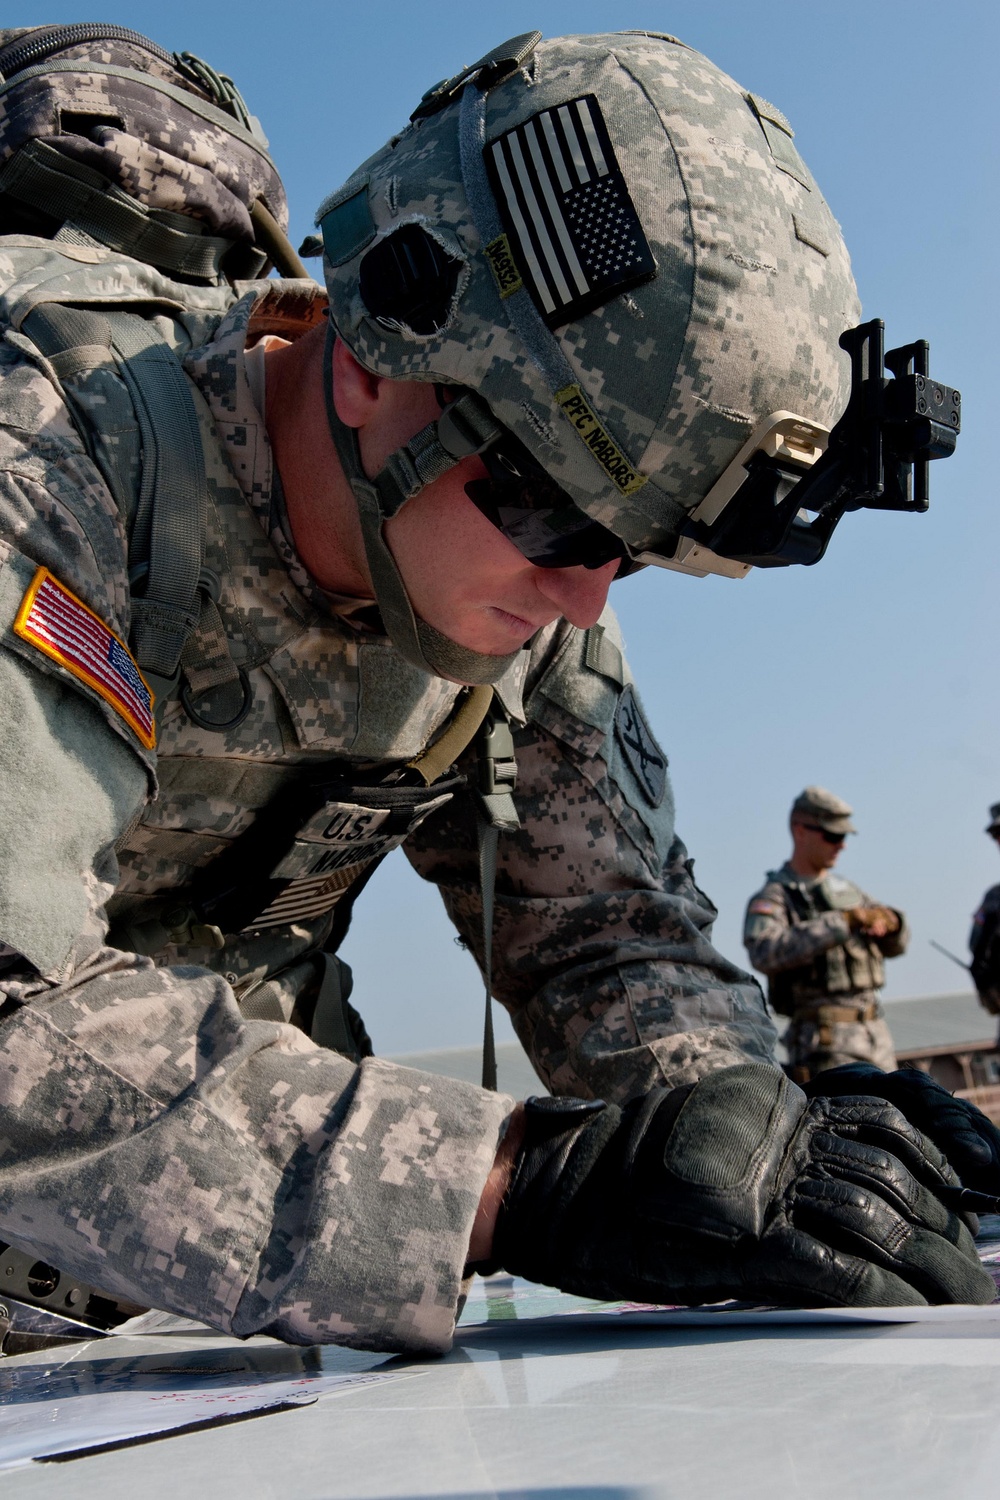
(968, 1139)
(872, 921)
(736, 1186)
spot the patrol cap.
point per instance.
(994, 824)
(817, 805)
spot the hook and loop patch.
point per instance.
(61, 626)
(570, 222)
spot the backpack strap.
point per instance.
(147, 442)
(482, 717)
(495, 814)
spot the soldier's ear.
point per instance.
(355, 389)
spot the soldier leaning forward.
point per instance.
(822, 942)
(323, 541)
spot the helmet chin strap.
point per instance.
(469, 429)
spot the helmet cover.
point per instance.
(622, 253)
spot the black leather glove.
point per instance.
(736, 1186)
(968, 1139)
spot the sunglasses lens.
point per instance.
(824, 833)
(531, 510)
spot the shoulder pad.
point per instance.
(587, 675)
(586, 698)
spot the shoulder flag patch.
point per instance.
(573, 228)
(762, 908)
(60, 625)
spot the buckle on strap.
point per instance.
(465, 427)
(497, 768)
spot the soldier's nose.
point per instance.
(579, 594)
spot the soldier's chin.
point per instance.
(464, 665)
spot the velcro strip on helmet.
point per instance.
(572, 229)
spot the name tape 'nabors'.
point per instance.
(61, 626)
(575, 406)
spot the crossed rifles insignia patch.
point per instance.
(645, 759)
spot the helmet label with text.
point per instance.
(577, 410)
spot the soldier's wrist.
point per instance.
(497, 1183)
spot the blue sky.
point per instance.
(873, 673)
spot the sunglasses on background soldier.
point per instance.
(830, 838)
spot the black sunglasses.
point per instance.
(830, 838)
(534, 513)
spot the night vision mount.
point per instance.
(781, 498)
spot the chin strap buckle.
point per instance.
(465, 427)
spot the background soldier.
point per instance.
(324, 540)
(821, 942)
(984, 939)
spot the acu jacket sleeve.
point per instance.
(602, 947)
(774, 942)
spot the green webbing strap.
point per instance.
(44, 178)
(466, 426)
(495, 813)
(335, 1023)
(167, 522)
(489, 837)
(171, 519)
(378, 498)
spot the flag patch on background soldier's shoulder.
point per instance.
(762, 908)
(60, 625)
(573, 228)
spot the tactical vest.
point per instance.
(845, 969)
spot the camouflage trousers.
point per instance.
(814, 1044)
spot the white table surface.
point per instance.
(544, 1397)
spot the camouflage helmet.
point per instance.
(619, 249)
(106, 135)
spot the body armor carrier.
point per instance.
(846, 969)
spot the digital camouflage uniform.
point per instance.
(156, 1141)
(820, 973)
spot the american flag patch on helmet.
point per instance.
(573, 229)
(61, 626)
